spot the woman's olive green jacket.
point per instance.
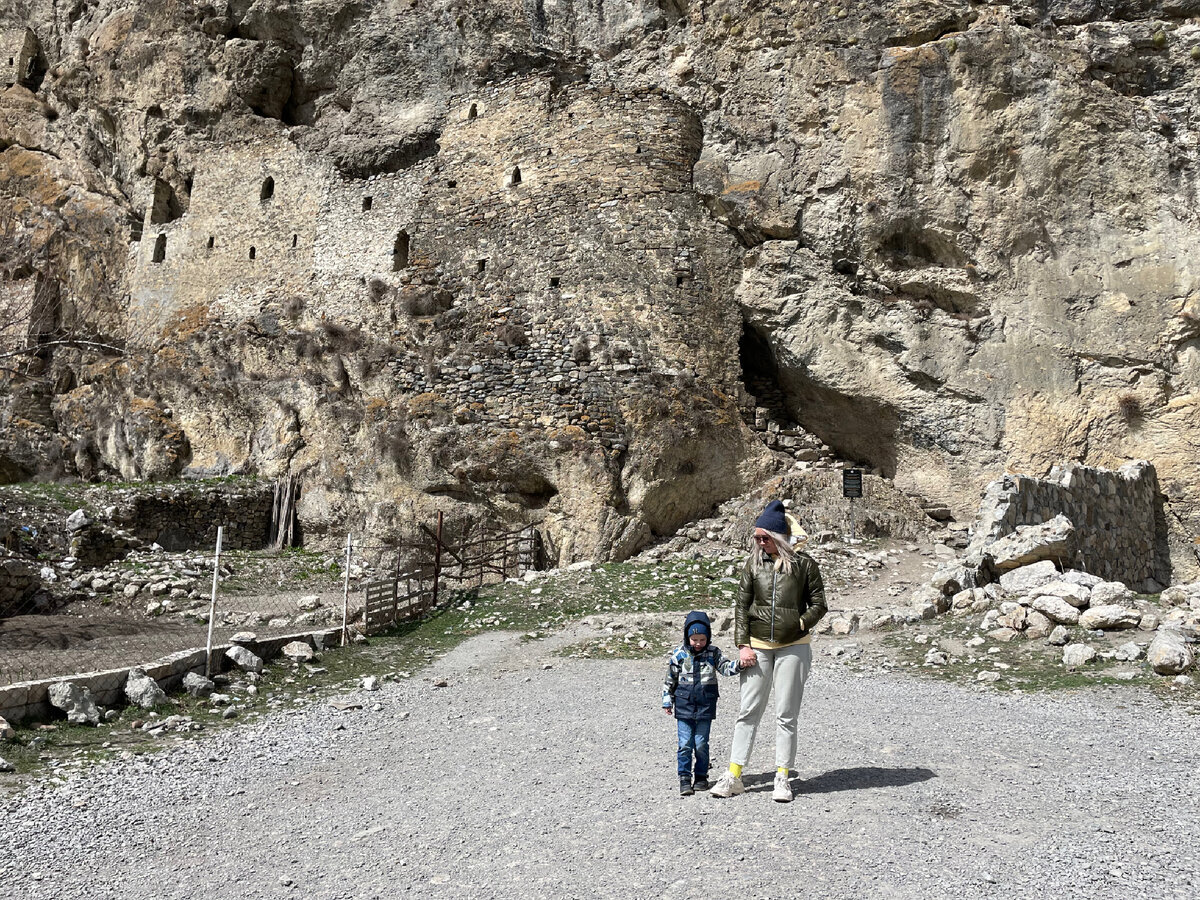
(774, 606)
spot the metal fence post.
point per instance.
(346, 595)
(212, 607)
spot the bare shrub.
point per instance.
(1130, 406)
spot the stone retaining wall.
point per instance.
(185, 517)
(30, 700)
(17, 583)
(1120, 530)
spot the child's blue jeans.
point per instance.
(693, 738)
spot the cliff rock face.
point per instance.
(550, 256)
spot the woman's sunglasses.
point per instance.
(763, 539)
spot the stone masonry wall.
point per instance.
(18, 52)
(186, 517)
(568, 277)
(1119, 531)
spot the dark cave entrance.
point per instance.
(857, 429)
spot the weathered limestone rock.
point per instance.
(244, 659)
(1110, 616)
(142, 690)
(1026, 578)
(1075, 594)
(1110, 592)
(1129, 652)
(1023, 300)
(1169, 653)
(1058, 637)
(1033, 543)
(198, 686)
(299, 651)
(1057, 610)
(76, 701)
(1076, 655)
(1037, 625)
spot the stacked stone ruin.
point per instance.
(1118, 531)
(446, 247)
(19, 49)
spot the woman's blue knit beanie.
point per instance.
(773, 518)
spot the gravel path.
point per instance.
(519, 781)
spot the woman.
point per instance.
(779, 602)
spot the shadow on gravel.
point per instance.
(860, 778)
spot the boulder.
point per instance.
(300, 651)
(1037, 625)
(1083, 579)
(1128, 652)
(6, 730)
(1052, 540)
(197, 685)
(76, 701)
(1075, 594)
(1075, 655)
(1111, 592)
(1109, 616)
(1026, 578)
(1058, 637)
(78, 520)
(142, 690)
(929, 593)
(309, 603)
(1169, 653)
(936, 657)
(244, 659)
(1057, 610)
(1015, 618)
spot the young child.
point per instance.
(690, 689)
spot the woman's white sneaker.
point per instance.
(728, 785)
(783, 789)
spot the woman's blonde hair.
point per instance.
(783, 548)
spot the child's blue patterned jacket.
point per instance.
(691, 682)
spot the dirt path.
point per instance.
(519, 781)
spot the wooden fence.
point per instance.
(444, 560)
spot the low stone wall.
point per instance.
(30, 700)
(185, 517)
(18, 583)
(1120, 529)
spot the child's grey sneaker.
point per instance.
(728, 785)
(702, 784)
(783, 789)
(685, 788)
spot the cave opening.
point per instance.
(856, 428)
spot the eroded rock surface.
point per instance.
(553, 258)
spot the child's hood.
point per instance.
(693, 617)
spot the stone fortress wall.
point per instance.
(538, 204)
(1119, 530)
(19, 49)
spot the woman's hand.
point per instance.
(668, 710)
(747, 657)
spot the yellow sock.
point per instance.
(782, 770)
(735, 770)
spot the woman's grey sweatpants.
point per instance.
(787, 669)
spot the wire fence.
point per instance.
(151, 605)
